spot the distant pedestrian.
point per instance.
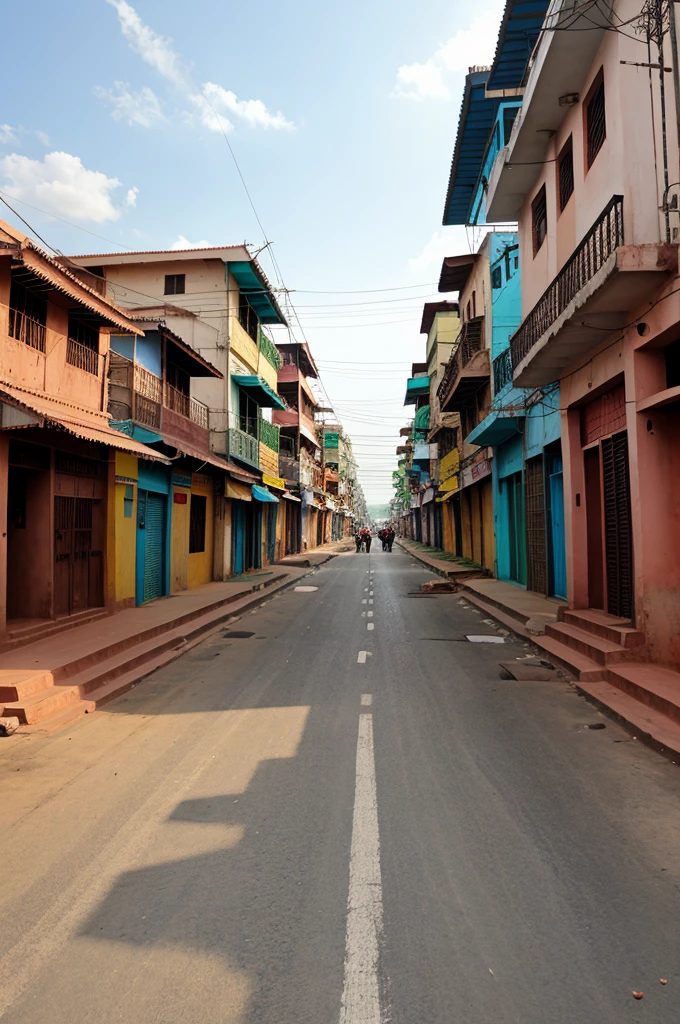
(389, 538)
(357, 540)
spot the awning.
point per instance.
(498, 426)
(290, 497)
(274, 481)
(262, 494)
(447, 496)
(239, 492)
(306, 432)
(330, 505)
(75, 420)
(209, 458)
(259, 390)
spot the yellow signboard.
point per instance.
(274, 481)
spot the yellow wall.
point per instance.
(243, 346)
(200, 569)
(477, 523)
(448, 531)
(179, 546)
(125, 531)
(270, 374)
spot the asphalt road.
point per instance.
(277, 829)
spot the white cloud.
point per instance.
(60, 184)
(474, 45)
(421, 81)
(8, 135)
(252, 111)
(156, 50)
(42, 137)
(213, 102)
(183, 243)
(131, 196)
(451, 242)
(142, 108)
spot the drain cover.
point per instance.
(237, 634)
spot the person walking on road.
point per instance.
(388, 539)
(357, 540)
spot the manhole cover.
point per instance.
(237, 634)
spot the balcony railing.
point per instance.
(269, 350)
(148, 384)
(244, 446)
(185, 406)
(25, 328)
(601, 242)
(469, 341)
(81, 356)
(268, 434)
(502, 371)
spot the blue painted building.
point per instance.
(521, 426)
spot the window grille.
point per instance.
(596, 123)
(565, 172)
(539, 219)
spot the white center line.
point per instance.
(361, 993)
(363, 600)
(370, 600)
(370, 593)
(370, 625)
(366, 699)
(361, 658)
(370, 614)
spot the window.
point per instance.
(27, 316)
(596, 125)
(467, 310)
(248, 414)
(496, 277)
(474, 304)
(174, 284)
(565, 173)
(539, 219)
(197, 523)
(247, 317)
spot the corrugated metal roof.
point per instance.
(520, 29)
(477, 116)
(153, 252)
(75, 420)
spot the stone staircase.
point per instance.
(93, 666)
(606, 656)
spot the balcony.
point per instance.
(82, 356)
(24, 328)
(592, 295)
(185, 406)
(269, 350)
(137, 394)
(468, 369)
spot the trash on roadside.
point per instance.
(484, 639)
(438, 587)
(638, 995)
(8, 726)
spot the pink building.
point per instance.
(586, 174)
(57, 449)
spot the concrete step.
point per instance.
(16, 684)
(643, 722)
(604, 652)
(578, 665)
(618, 631)
(656, 687)
(43, 704)
(23, 635)
(490, 602)
(114, 673)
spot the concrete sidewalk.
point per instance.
(522, 610)
(51, 682)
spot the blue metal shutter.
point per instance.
(154, 546)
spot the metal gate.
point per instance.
(537, 567)
(151, 518)
(78, 569)
(618, 544)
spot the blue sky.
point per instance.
(342, 118)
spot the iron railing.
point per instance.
(502, 371)
(185, 406)
(25, 328)
(603, 239)
(469, 341)
(81, 356)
